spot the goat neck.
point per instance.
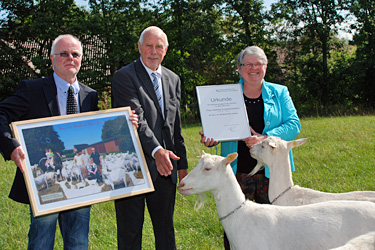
(228, 196)
(280, 176)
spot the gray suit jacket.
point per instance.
(34, 99)
(132, 86)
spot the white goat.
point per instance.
(250, 225)
(274, 152)
(44, 178)
(362, 242)
(115, 176)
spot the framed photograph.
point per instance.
(81, 159)
(223, 112)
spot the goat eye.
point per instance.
(207, 169)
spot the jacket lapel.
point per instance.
(50, 92)
(83, 92)
(166, 90)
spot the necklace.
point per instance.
(252, 100)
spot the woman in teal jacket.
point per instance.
(271, 112)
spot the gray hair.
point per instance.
(59, 38)
(153, 28)
(252, 51)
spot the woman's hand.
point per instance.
(254, 139)
(208, 142)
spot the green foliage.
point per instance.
(39, 139)
(118, 129)
(364, 12)
(205, 37)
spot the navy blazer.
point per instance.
(132, 86)
(33, 99)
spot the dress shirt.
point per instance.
(62, 92)
(158, 73)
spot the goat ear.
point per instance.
(230, 158)
(203, 154)
(273, 145)
(296, 143)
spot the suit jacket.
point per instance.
(132, 86)
(34, 99)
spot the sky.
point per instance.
(81, 132)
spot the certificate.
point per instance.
(223, 112)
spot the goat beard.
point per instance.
(201, 199)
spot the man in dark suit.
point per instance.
(153, 91)
(47, 97)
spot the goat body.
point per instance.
(274, 152)
(249, 225)
(115, 176)
(362, 242)
(44, 178)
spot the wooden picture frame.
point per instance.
(60, 170)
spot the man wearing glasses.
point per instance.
(47, 97)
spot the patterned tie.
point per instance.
(159, 95)
(71, 102)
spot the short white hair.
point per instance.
(252, 51)
(63, 36)
(153, 28)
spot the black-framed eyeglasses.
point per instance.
(252, 65)
(66, 54)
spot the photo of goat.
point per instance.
(118, 170)
(82, 158)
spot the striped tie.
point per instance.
(71, 102)
(159, 95)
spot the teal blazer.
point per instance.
(280, 119)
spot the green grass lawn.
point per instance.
(339, 156)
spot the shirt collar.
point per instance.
(149, 71)
(63, 85)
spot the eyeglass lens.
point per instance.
(66, 54)
(252, 65)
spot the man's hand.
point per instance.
(133, 118)
(17, 156)
(181, 174)
(163, 162)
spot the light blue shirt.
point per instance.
(62, 92)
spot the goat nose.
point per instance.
(181, 185)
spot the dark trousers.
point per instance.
(160, 205)
(255, 189)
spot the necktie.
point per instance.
(71, 102)
(157, 89)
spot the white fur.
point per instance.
(362, 242)
(274, 152)
(115, 176)
(267, 227)
(44, 178)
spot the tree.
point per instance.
(27, 30)
(313, 22)
(364, 12)
(118, 129)
(39, 139)
(197, 50)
